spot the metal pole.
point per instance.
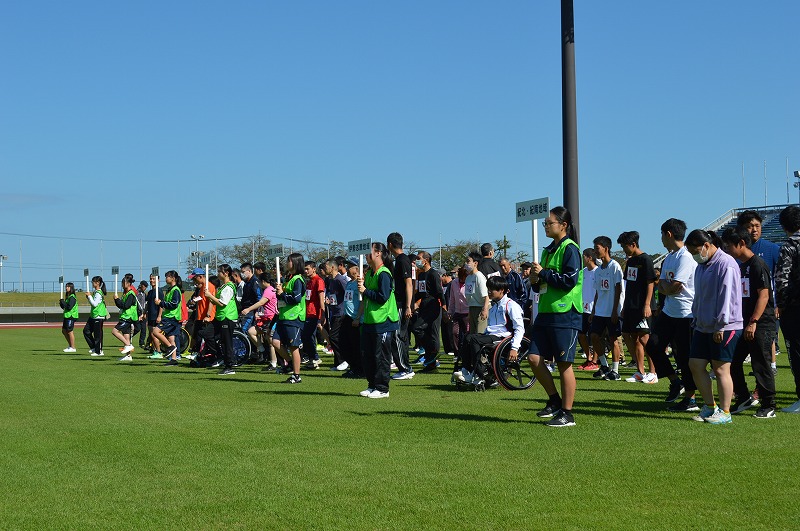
(141, 270)
(766, 201)
(569, 116)
(744, 197)
(21, 286)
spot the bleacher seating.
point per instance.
(770, 228)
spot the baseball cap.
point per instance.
(197, 271)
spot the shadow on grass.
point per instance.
(444, 416)
(288, 389)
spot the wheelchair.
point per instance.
(494, 369)
(242, 347)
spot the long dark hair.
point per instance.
(102, 284)
(698, 237)
(297, 262)
(563, 216)
(129, 279)
(69, 289)
(177, 277)
(224, 268)
(385, 256)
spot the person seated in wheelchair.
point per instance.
(505, 319)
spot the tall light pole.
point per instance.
(2, 259)
(197, 238)
(569, 114)
(796, 185)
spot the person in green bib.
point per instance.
(380, 322)
(70, 306)
(128, 315)
(558, 281)
(224, 298)
(291, 315)
(170, 325)
(93, 331)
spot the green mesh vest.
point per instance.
(554, 300)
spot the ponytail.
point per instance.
(102, 287)
(698, 237)
(563, 216)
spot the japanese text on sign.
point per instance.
(533, 209)
(359, 246)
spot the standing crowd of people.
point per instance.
(715, 301)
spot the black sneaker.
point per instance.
(601, 372)
(611, 375)
(550, 410)
(226, 372)
(686, 405)
(675, 390)
(294, 379)
(171, 362)
(765, 413)
(562, 420)
(742, 405)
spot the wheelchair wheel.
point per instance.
(517, 375)
(241, 347)
(184, 340)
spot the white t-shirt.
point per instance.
(475, 289)
(605, 280)
(680, 266)
(588, 289)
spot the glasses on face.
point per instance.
(547, 223)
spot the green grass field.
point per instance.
(90, 442)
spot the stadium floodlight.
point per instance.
(797, 183)
(197, 238)
(3, 258)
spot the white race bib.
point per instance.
(421, 287)
(469, 289)
(745, 287)
(348, 296)
(632, 273)
(605, 284)
(308, 294)
(332, 299)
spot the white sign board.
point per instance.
(359, 246)
(533, 209)
(274, 251)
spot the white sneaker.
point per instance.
(343, 366)
(128, 348)
(637, 377)
(451, 353)
(458, 377)
(366, 392)
(650, 378)
(101, 353)
(126, 358)
(403, 375)
(69, 349)
(466, 376)
(378, 394)
(392, 367)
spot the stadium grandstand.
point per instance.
(770, 228)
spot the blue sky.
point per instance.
(340, 120)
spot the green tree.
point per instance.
(454, 254)
(237, 254)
